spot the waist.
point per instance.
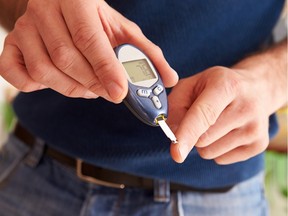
(99, 175)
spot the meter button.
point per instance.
(143, 92)
(156, 102)
(158, 90)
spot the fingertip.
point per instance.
(90, 95)
(41, 87)
(221, 162)
(171, 79)
(115, 83)
(175, 153)
(176, 76)
(168, 75)
(116, 91)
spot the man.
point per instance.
(220, 114)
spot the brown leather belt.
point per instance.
(101, 176)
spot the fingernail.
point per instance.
(184, 151)
(42, 87)
(176, 74)
(175, 71)
(114, 90)
(90, 95)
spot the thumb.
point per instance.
(168, 75)
(135, 36)
(180, 100)
(176, 113)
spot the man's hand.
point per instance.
(224, 112)
(68, 46)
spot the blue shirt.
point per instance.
(193, 35)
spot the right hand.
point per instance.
(68, 46)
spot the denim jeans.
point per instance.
(40, 186)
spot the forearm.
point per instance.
(10, 11)
(270, 67)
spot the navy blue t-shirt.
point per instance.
(193, 35)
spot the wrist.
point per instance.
(268, 72)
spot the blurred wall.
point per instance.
(2, 36)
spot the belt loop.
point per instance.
(35, 154)
(161, 190)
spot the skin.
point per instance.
(223, 112)
(50, 47)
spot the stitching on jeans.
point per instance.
(179, 203)
(117, 206)
(12, 167)
(85, 206)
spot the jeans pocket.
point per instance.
(11, 155)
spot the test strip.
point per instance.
(166, 129)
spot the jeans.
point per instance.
(40, 186)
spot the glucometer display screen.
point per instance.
(139, 70)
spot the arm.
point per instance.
(10, 11)
(73, 45)
(225, 111)
(271, 67)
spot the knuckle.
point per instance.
(36, 10)
(157, 50)
(227, 80)
(231, 85)
(84, 37)
(253, 149)
(219, 72)
(254, 130)
(127, 27)
(22, 23)
(208, 114)
(26, 86)
(62, 56)
(72, 91)
(37, 71)
(204, 140)
(218, 68)
(32, 7)
(134, 26)
(93, 85)
(9, 39)
(6, 71)
(246, 109)
(205, 153)
(103, 68)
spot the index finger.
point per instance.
(89, 37)
(203, 113)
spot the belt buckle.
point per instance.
(93, 180)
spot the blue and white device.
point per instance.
(146, 98)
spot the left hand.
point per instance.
(223, 112)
